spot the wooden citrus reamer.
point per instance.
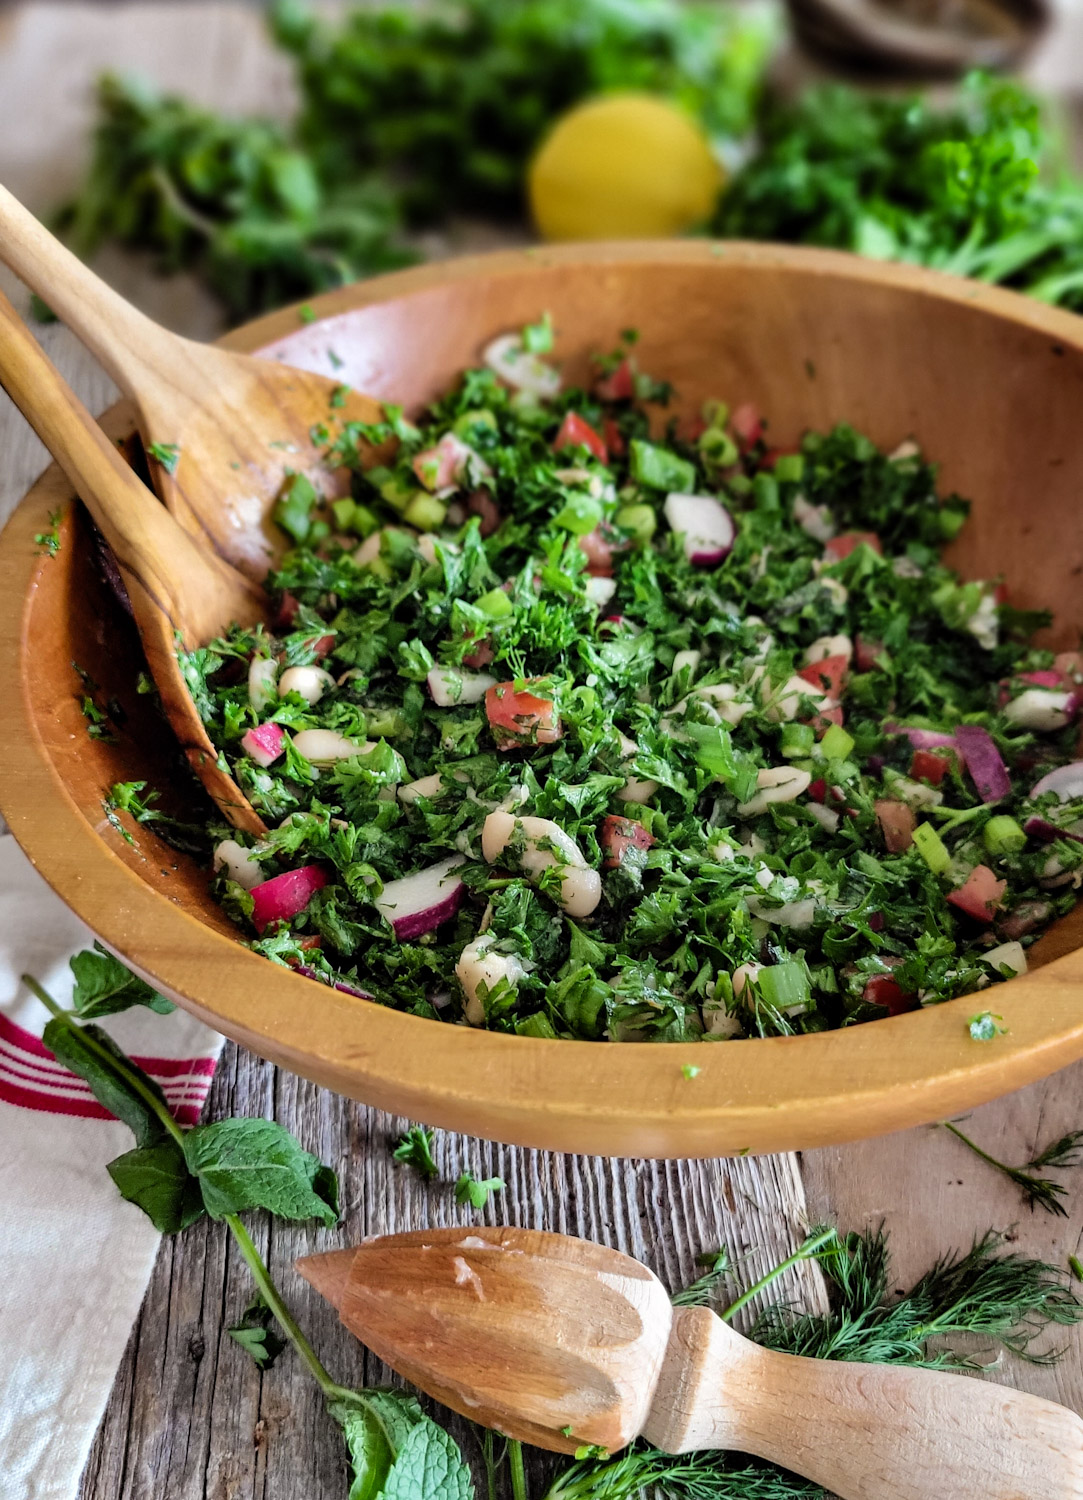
(560, 1342)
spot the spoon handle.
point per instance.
(865, 1432)
(148, 543)
(131, 346)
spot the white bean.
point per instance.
(310, 682)
(581, 887)
(775, 784)
(428, 786)
(479, 965)
(829, 645)
(262, 677)
(784, 702)
(322, 747)
(238, 864)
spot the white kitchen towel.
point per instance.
(75, 1259)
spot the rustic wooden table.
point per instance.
(190, 1416)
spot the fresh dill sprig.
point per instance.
(414, 1149)
(698, 1293)
(691, 1476)
(1009, 1299)
(1041, 1191)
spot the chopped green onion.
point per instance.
(932, 848)
(343, 510)
(789, 468)
(294, 506)
(496, 604)
(836, 743)
(786, 987)
(1003, 835)
(765, 492)
(798, 740)
(536, 1025)
(640, 520)
(579, 514)
(425, 512)
(659, 469)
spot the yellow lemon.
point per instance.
(623, 166)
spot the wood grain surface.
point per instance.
(190, 1417)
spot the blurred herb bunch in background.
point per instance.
(409, 117)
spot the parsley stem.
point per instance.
(285, 1319)
(803, 1252)
(517, 1468)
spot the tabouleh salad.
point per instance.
(575, 723)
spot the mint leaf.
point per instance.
(157, 1180)
(397, 1452)
(110, 1077)
(104, 986)
(429, 1467)
(243, 1164)
(257, 1335)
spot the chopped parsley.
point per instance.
(49, 541)
(591, 727)
(167, 454)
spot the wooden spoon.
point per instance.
(178, 590)
(560, 1342)
(240, 424)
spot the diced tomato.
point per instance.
(613, 437)
(848, 541)
(865, 654)
(600, 549)
(618, 836)
(828, 674)
(881, 989)
(287, 611)
(575, 433)
(820, 723)
(482, 505)
(481, 655)
(817, 791)
(747, 425)
(519, 719)
(980, 894)
(929, 765)
(619, 385)
(309, 943)
(1000, 594)
(896, 822)
(444, 465)
(322, 644)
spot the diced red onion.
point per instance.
(1039, 828)
(984, 762)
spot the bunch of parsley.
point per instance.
(974, 187)
(408, 114)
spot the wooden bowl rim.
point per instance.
(763, 1094)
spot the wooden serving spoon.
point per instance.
(179, 591)
(560, 1342)
(240, 425)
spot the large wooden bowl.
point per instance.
(992, 386)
